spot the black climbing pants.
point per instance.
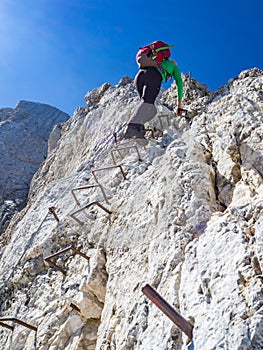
(148, 83)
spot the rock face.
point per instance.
(182, 214)
(24, 134)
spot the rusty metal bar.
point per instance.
(86, 207)
(22, 323)
(74, 307)
(167, 309)
(55, 266)
(77, 251)
(107, 168)
(71, 247)
(120, 155)
(129, 141)
(76, 219)
(87, 187)
(7, 326)
(113, 158)
(123, 148)
(59, 252)
(52, 211)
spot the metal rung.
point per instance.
(16, 320)
(52, 210)
(71, 247)
(85, 188)
(131, 141)
(86, 207)
(7, 326)
(167, 309)
(121, 149)
(108, 168)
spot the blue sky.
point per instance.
(55, 51)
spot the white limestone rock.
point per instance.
(24, 134)
(186, 218)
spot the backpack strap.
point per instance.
(163, 48)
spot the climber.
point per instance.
(155, 67)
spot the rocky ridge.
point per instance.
(185, 217)
(24, 134)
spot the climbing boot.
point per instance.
(134, 131)
(142, 129)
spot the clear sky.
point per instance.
(55, 51)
